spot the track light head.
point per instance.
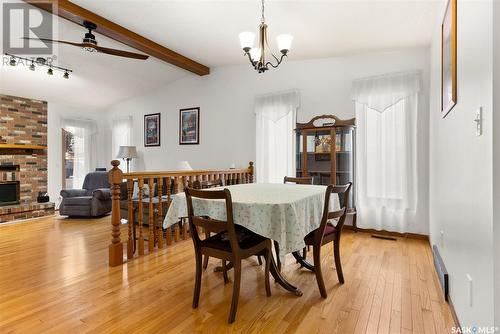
(32, 66)
(12, 61)
(50, 71)
(66, 75)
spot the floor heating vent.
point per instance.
(385, 237)
(441, 271)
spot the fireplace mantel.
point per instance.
(22, 147)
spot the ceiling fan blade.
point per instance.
(121, 53)
(55, 41)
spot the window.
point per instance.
(79, 151)
(386, 152)
(275, 139)
(121, 134)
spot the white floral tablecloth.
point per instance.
(282, 212)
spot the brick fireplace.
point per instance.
(23, 158)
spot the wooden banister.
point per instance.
(115, 177)
(156, 204)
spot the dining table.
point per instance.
(285, 213)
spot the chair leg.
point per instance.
(317, 271)
(197, 283)
(236, 290)
(338, 264)
(224, 272)
(266, 272)
(205, 257)
(277, 250)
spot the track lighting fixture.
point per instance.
(16, 60)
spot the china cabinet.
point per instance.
(326, 152)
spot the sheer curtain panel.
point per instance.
(275, 138)
(121, 134)
(386, 118)
(84, 147)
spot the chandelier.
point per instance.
(256, 55)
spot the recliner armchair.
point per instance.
(92, 201)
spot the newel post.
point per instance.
(115, 177)
(251, 170)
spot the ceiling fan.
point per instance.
(90, 44)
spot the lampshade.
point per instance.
(184, 165)
(127, 152)
(247, 39)
(284, 41)
(255, 54)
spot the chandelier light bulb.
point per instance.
(247, 40)
(255, 54)
(284, 42)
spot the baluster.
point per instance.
(250, 170)
(160, 213)
(179, 182)
(141, 216)
(115, 249)
(169, 200)
(151, 236)
(130, 218)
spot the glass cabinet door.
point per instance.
(316, 161)
(345, 158)
(327, 155)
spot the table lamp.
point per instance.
(127, 153)
(184, 165)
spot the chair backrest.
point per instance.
(298, 180)
(207, 222)
(343, 192)
(96, 180)
(207, 184)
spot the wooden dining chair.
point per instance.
(298, 180)
(326, 233)
(230, 243)
(207, 185)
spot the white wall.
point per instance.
(496, 156)
(55, 113)
(461, 166)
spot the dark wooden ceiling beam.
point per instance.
(77, 14)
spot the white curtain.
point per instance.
(386, 152)
(275, 138)
(85, 147)
(121, 133)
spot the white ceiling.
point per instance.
(207, 31)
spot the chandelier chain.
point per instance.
(263, 19)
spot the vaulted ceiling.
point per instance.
(207, 31)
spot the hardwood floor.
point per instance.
(54, 277)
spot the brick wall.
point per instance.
(24, 121)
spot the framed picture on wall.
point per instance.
(449, 58)
(152, 130)
(189, 126)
